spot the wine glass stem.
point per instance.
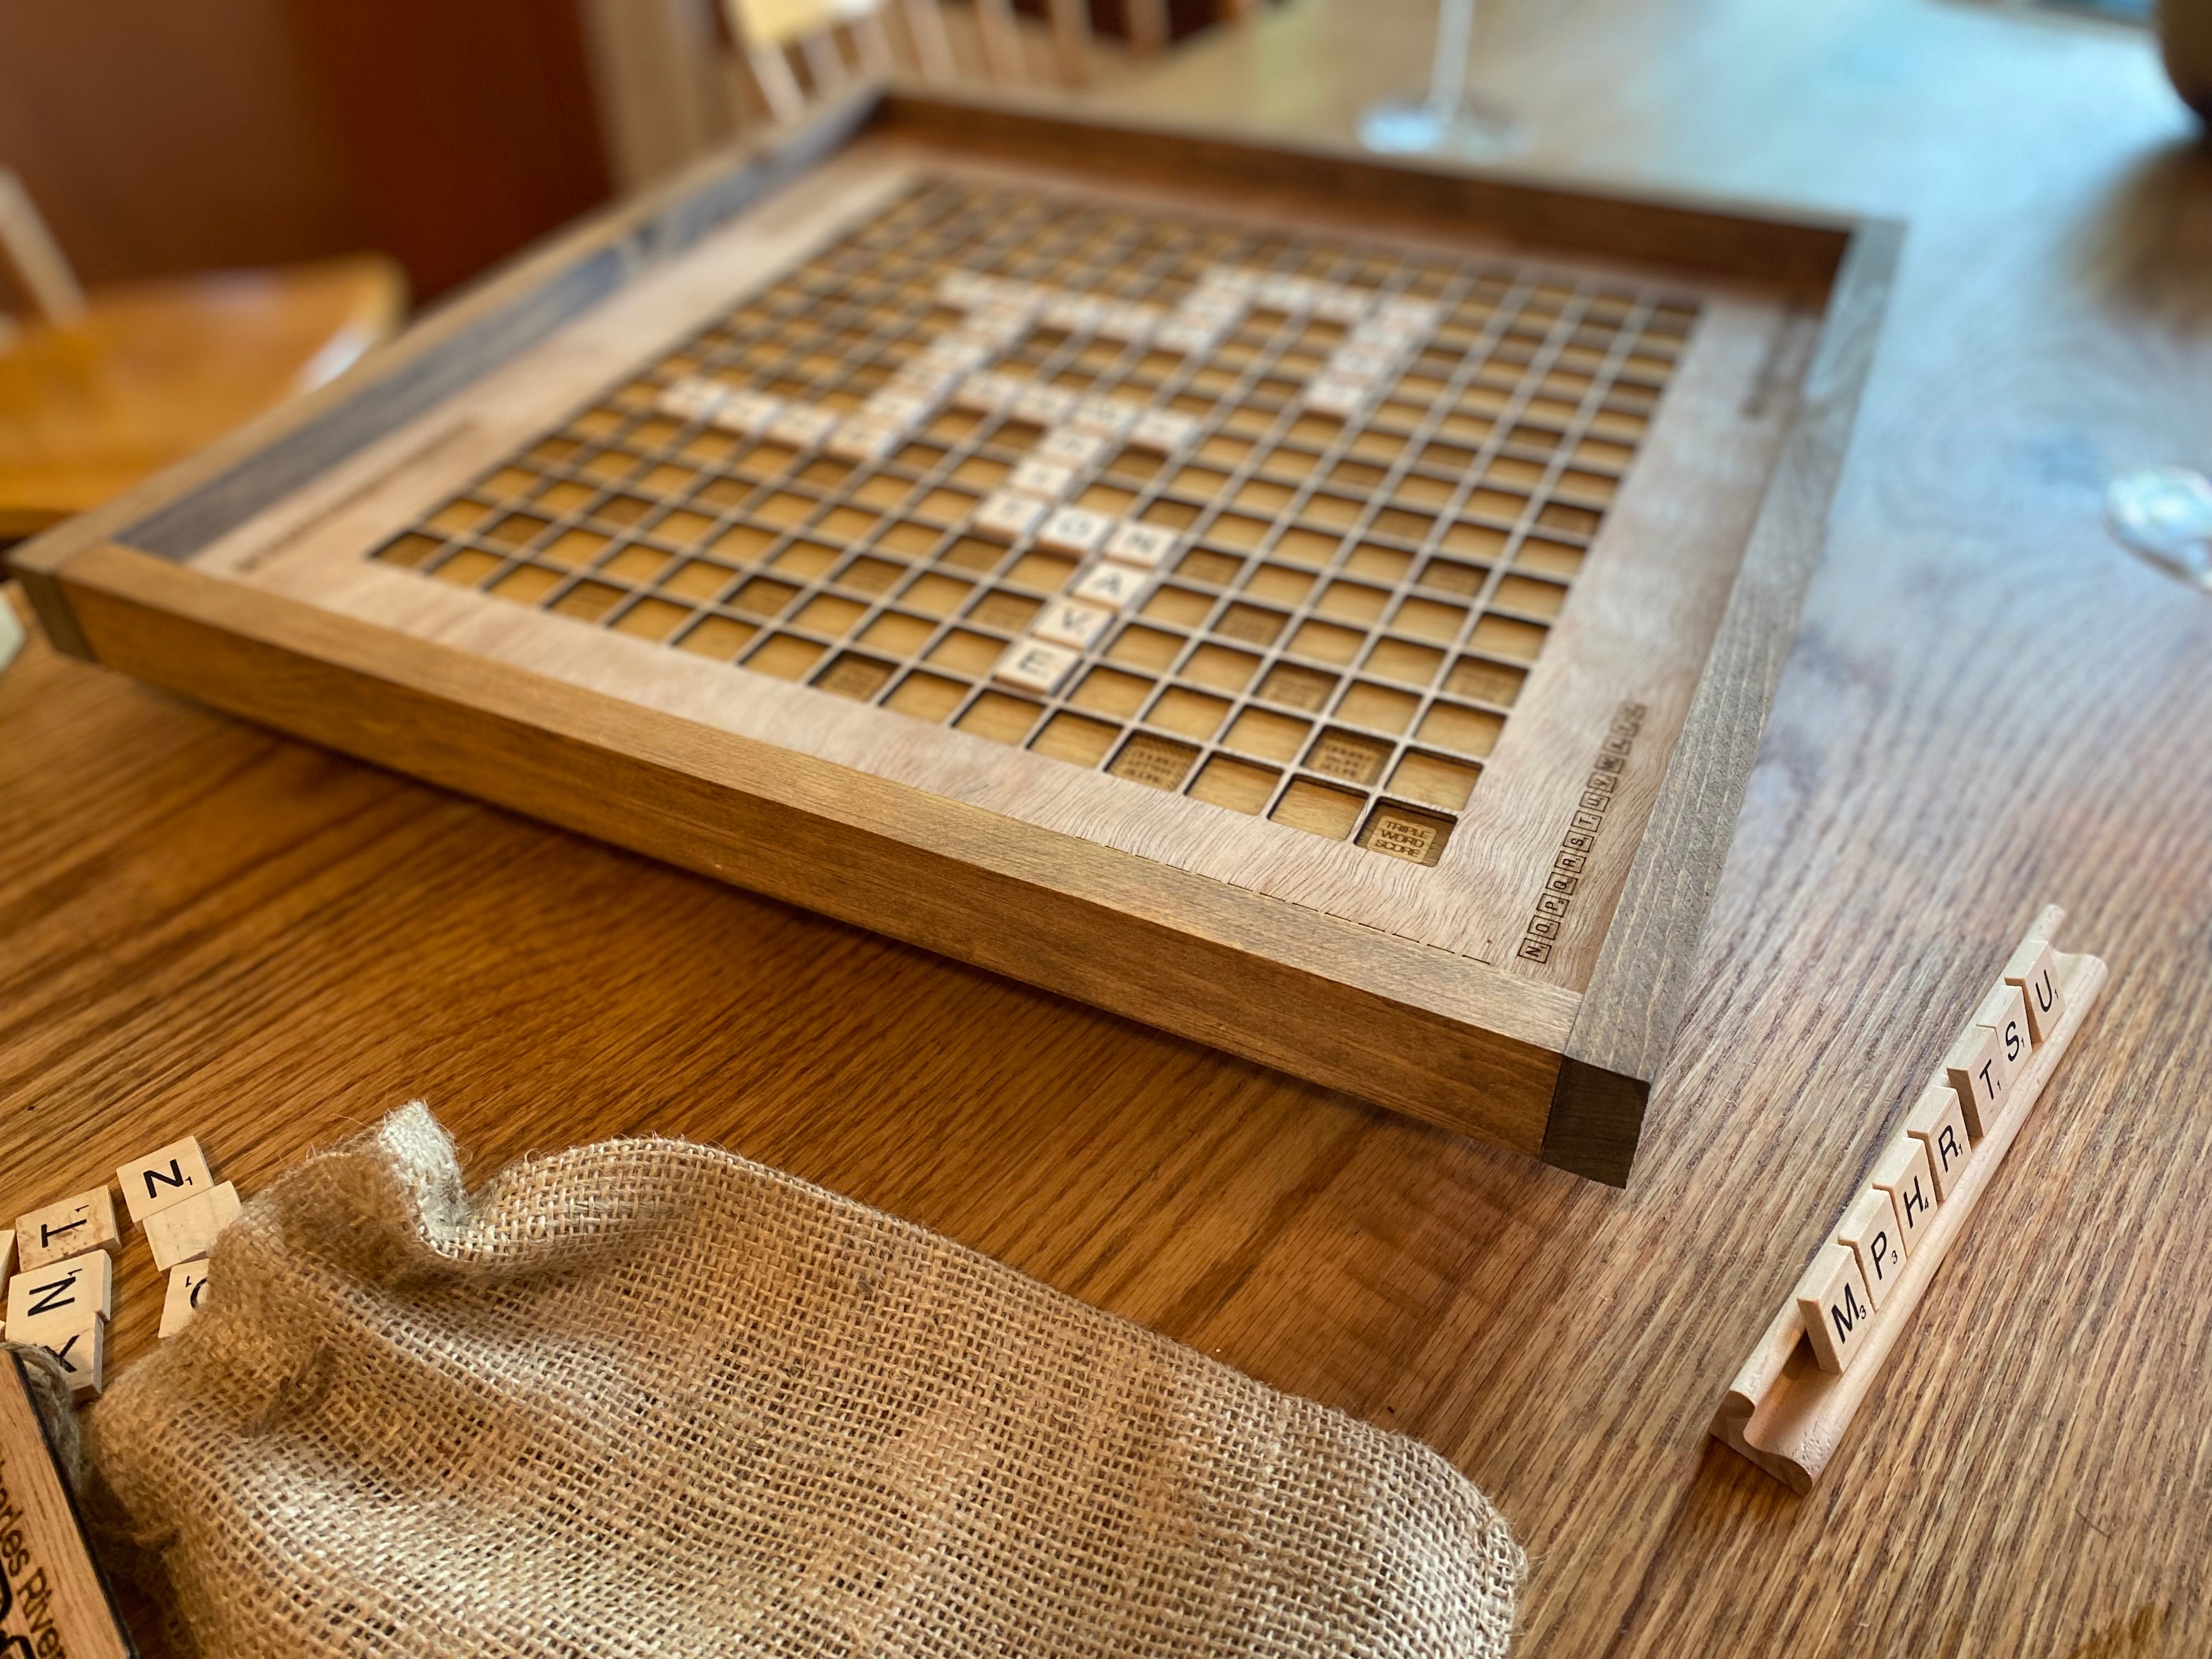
(1454, 36)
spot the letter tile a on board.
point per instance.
(1870, 1228)
(1832, 1301)
(2034, 970)
(61, 1296)
(82, 1222)
(175, 1173)
(1938, 1122)
(184, 1231)
(1903, 1172)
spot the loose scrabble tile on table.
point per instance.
(1787, 1416)
(81, 1350)
(181, 1300)
(167, 1175)
(1938, 1122)
(1833, 1303)
(59, 1298)
(1871, 1231)
(1903, 1172)
(84, 1221)
(182, 1230)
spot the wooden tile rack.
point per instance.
(1324, 606)
(1783, 1411)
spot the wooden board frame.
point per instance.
(1545, 1069)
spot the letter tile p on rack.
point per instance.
(1791, 1403)
(1321, 605)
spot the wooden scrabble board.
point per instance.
(1322, 607)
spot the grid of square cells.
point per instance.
(1347, 604)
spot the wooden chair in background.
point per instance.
(97, 390)
(678, 77)
(835, 40)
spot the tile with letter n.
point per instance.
(175, 1172)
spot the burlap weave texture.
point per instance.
(646, 1397)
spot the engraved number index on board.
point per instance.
(1349, 488)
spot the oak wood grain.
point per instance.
(206, 928)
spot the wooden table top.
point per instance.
(205, 927)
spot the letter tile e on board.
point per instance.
(83, 1221)
(1833, 1303)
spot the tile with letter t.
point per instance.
(1870, 1228)
(1035, 666)
(1903, 1172)
(175, 1173)
(1988, 1055)
(1833, 1303)
(1938, 1122)
(60, 1297)
(83, 1221)
(2034, 971)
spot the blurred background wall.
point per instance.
(167, 136)
(159, 136)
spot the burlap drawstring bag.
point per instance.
(645, 1397)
